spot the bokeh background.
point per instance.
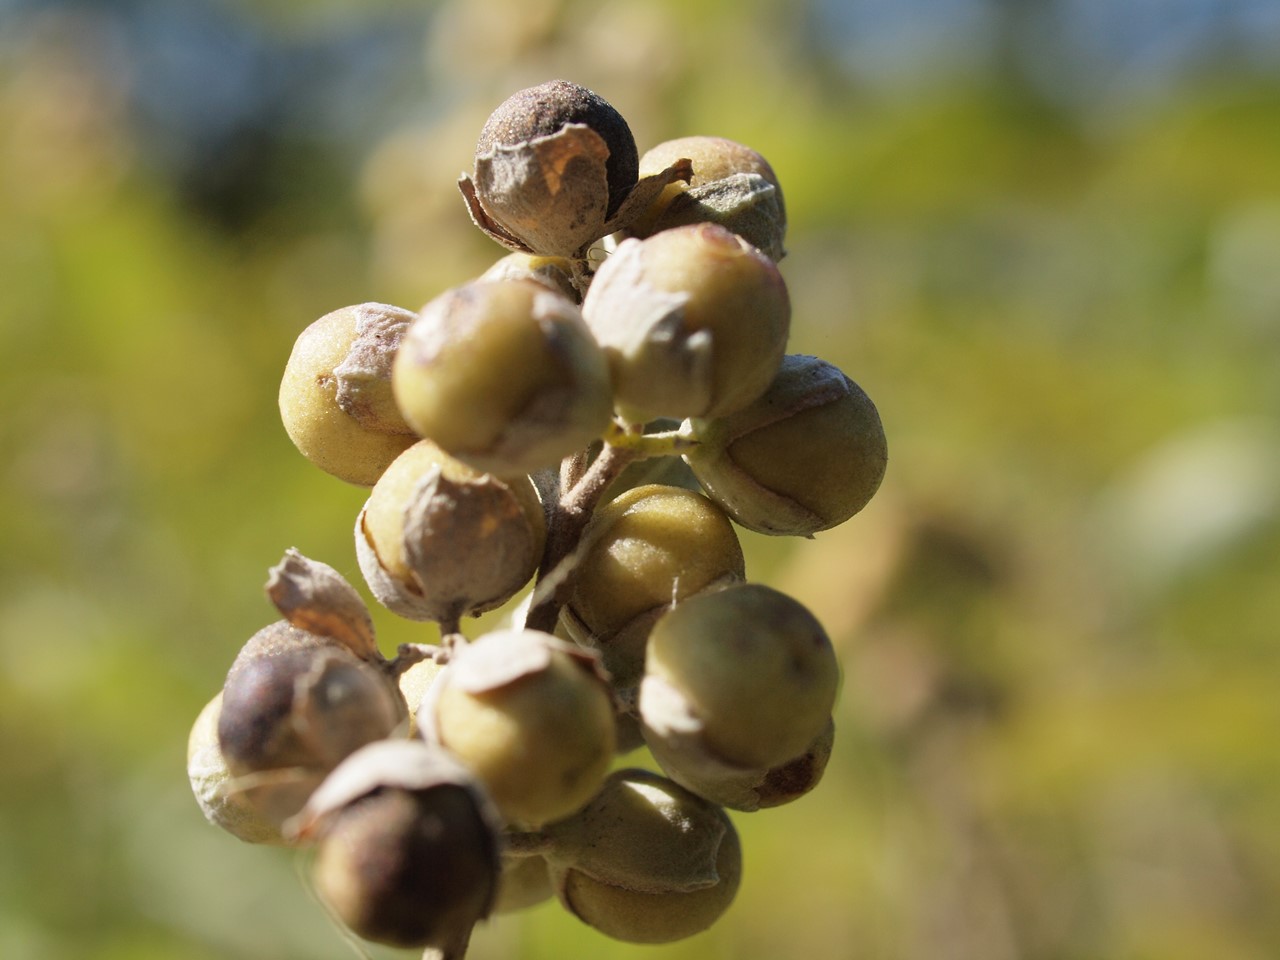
(1044, 237)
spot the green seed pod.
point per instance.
(438, 540)
(335, 397)
(531, 716)
(693, 320)
(293, 706)
(732, 185)
(406, 847)
(649, 548)
(555, 170)
(503, 375)
(806, 456)
(746, 672)
(213, 786)
(689, 763)
(646, 861)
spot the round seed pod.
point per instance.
(693, 321)
(545, 110)
(211, 782)
(649, 548)
(335, 396)
(503, 375)
(438, 540)
(646, 861)
(406, 846)
(732, 185)
(805, 456)
(531, 716)
(746, 672)
(555, 170)
(293, 706)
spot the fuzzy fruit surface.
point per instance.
(470, 559)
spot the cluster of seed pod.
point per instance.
(504, 430)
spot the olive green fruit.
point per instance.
(406, 847)
(647, 549)
(646, 861)
(213, 786)
(335, 396)
(293, 706)
(438, 540)
(555, 170)
(531, 716)
(503, 375)
(804, 457)
(693, 321)
(732, 185)
(746, 672)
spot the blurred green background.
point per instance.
(1044, 237)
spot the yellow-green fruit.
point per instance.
(532, 718)
(650, 547)
(504, 375)
(732, 185)
(212, 784)
(335, 396)
(439, 539)
(693, 320)
(804, 457)
(646, 861)
(749, 666)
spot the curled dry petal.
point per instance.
(314, 597)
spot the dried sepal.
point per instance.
(403, 764)
(314, 597)
(550, 195)
(363, 373)
(389, 591)
(745, 203)
(437, 540)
